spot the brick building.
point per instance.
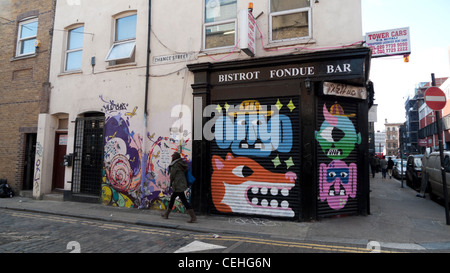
(26, 29)
(392, 138)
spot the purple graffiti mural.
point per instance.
(337, 183)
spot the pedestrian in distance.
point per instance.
(390, 167)
(177, 171)
(373, 164)
(383, 165)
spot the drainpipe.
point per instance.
(147, 78)
(147, 73)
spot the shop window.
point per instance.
(220, 23)
(122, 50)
(74, 49)
(26, 37)
(290, 19)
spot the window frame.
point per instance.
(68, 51)
(218, 23)
(116, 42)
(20, 40)
(289, 12)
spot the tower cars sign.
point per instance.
(389, 42)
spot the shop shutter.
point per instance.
(337, 139)
(260, 175)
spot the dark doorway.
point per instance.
(58, 160)
(28, 168)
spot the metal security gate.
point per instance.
(88, 155)
(255, 157)
(337, 139)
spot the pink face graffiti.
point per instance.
(337, 183)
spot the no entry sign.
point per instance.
(435, 98)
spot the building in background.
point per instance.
(392, 138)
(380, 143)
(26, 29)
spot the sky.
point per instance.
(394, 80)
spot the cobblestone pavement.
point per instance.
(31, 232)
(26, 232)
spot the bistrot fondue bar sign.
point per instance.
(307, 70)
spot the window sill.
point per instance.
(66, 73)
(293, 42)
(116, 66)
(217, 51)
(23, 57)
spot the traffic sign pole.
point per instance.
(441, 152)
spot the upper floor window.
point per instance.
(74, 49)
(26, 37)
(220, 23)
(290, 19)
(124, 39)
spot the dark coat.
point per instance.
(177, 171)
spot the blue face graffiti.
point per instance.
(254, 131)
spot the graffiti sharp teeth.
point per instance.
(285, 192)
(255, 201)
(264, 203)
(255, 190)
(342, 192)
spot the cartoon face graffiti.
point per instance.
(337, 136)
(337, 182)
(241, 185)
(253, 130)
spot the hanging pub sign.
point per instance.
(389, 42)
(344, 90)
(247, 32)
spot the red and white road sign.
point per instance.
(435, 98)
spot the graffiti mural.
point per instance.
(251, 189)
(337, 182)
(155, 190)
(254, 163)
(337, 139)
(122, 157)
(135, 175)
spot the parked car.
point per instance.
(397, 171)
(432, 172)
(414, 171)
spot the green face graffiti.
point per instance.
(337, 136)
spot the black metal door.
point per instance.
(88, 155)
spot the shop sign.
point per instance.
(247, 32)
(344, 90)
(389, 42)
(325, 70)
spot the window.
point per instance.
(220, 23)
(74, 49)
(290, 19)
(124, 40)
(26, 37)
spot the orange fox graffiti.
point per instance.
(241, 185)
